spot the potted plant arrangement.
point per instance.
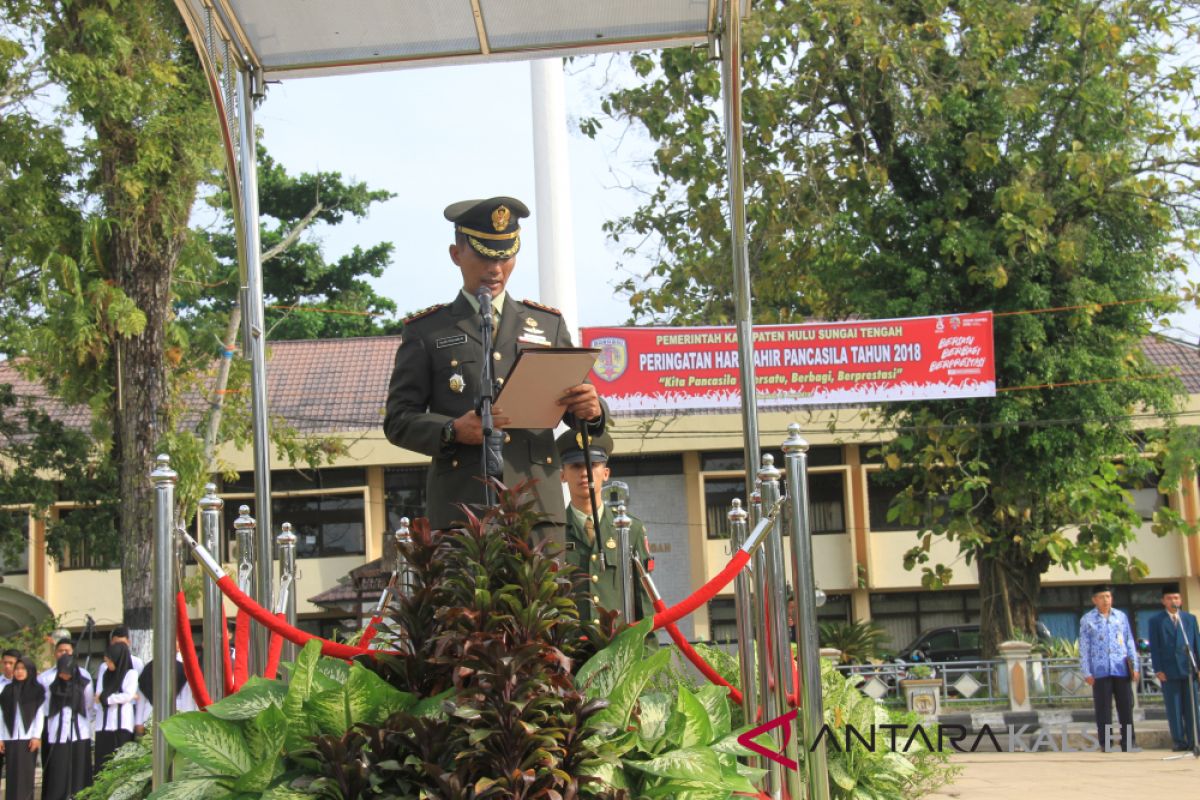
(922, 691)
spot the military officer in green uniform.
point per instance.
(433, 397)
(584, 547)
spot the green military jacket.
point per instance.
(436, 379)
(602, 587)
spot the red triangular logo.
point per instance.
(746, 740)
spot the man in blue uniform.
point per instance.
(1174, 652)
(435, 385)
(1108, 660)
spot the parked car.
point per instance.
(952, 643)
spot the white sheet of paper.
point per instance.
(538, 378)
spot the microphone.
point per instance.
(484, 296)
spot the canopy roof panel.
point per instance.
(301, 38)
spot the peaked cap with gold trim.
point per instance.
(570, 447)
(492, 226)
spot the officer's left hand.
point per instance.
(582, 401)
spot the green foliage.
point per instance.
(35, 641)
(126, 777)
(916, 159)
(859, 641)
(911, 771)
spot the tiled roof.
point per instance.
(1175, 356)
(340, 385)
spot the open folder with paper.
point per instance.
(536, 381)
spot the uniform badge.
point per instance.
(530, 322)
(500, 218)
(611, 544)
(457, 383)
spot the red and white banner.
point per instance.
(878, 361)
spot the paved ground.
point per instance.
(1072, 776)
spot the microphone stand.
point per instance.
(492, 447)
(1193, 673)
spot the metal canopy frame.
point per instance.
(242, 44)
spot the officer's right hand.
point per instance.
(1162, 676)
(468, 429)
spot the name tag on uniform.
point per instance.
(450, 341)
(530, 338)
(570, 545)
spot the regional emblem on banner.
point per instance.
(613, 359)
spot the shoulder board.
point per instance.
(540, 307)
(424, 312)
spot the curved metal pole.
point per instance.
(256, 345)
(731, 90)
(163, 607)
(774, 645)
(286, 540)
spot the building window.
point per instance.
(297, 480)
(722, 616)
(324, 524)
(826, 509)
(14, 529)
(732, 460)
(83, 549)
(404, 494)
(882, 487)
(906, 615)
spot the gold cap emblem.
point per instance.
(501, 217)
(579, 440)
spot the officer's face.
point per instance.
(575, 477)
(478, 271)
(1102, 601)
(1172, 601)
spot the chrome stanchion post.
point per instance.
(745, 623)
(163, 607)
(774, 599)
(287, 583)
(811, 715)
(406, 579)
(757, 576)
(243, 527)
(622, 523)
(210, 532)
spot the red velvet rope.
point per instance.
(241, 646)
(187, 648)
(697, 660)
(274, 652)
(369, 632)
(292, 634)
(226, 659)
(706, 592)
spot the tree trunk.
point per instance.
(143, 272)
(1008, 596)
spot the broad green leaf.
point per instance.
(252, 698)
(332, 673)
(839, 775)
(372, 699)
(266, 734)
(697, 730)
(134, 785)
(191, 789)
(214, 744)
(328, 710)
(610, 773)
(730, 744)
(654, 711)
(300, 684)
(715, 700)
(606, 669)
(697, 764)
(284, 793)
(432, 706)
(626, 693)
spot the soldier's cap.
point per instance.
(570, 448)
(1170, 588)
(492, 227)
(1099, 588)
